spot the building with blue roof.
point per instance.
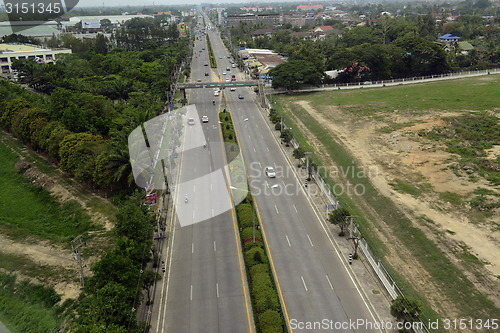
(448, 38)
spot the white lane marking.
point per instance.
(304, 282)
(254, 150)
(288, 241)
(294, 207)
(267, 148)
(329, 281)
(249, 137)
(194, 188)
(217, 286)
(191, 293)
(277, 212)
(211, 186)
(192, 247)
(309, 239)
(215, 247)
(260, 165)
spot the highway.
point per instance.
(314, 282)
(204, 286)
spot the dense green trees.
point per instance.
(295, 74)
(386, 47)
(95, 98)
(115, 289)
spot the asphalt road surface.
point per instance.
(203, 288)
(316, 286)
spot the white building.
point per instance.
(11, 52)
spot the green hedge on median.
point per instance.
(263, 292)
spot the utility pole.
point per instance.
(75, 245)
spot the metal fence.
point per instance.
(375, 263)
(392, 82)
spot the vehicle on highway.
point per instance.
(228, 69)
(233, 89)
(206, 73)
(233, 77)
(240, 96)
(220, 57)
(270, 172)
(228, 79)
(206, 64)
(204, 119)
(191, 121)
(233, 65)
(199, 80)
(223, 73)
(216, 93)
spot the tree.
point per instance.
(406, 309)
(295, 74)
(11, 109)
(172, 32)
(339, 217)
(101, 44)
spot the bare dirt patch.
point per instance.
(403, 155)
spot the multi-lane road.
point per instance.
(204, 287)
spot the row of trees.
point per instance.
(93, 101)
(115, 290)
(79, 113)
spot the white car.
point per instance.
(233, 89)
(216, 93)
(191, 121)
(223, 73)
(204, 119)
(228, 79)
(270, 172)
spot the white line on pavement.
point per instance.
(309, 239)
(329, 281)
(304, 282)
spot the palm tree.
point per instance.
(119, 167)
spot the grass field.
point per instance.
(460, 94)
(478, 94)
(27, 210)
(26, 307)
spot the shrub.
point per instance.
(259, 269)
(251, 258)
(271, 320)
(245, 215)
(261, 281)
(266, 299)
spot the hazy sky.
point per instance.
(124, 3)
